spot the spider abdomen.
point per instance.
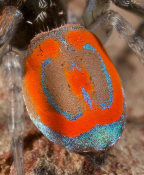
(72, 90)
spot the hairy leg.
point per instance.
(93, 10)
(9, 21)
(101, 28)
(125, 30)
(13, 77)
(128, 33)
(131, 5)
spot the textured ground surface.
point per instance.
(44, 158)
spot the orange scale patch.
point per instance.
(78, 79)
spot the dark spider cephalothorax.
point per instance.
(20, 21)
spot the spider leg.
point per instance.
(128, 33)
(9, 21)
(13, 78)
(131, 5)
(123, 27)
(101, 28)
(93, 9)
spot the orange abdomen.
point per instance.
(72, 90)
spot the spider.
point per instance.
(22, 20)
